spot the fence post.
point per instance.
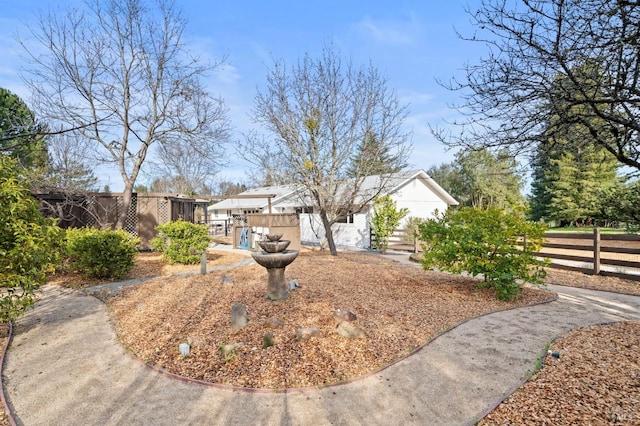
(596, 251)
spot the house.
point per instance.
(415, 190)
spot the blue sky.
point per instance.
(413, 43)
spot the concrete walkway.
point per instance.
(66, 366)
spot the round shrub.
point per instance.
(487, 243)
(180, 241)
(28, 243)
(101, 253)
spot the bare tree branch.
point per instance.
(319, 113)
(511, 95)
(120, 74)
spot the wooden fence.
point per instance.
(598, 254)
(593, 253)
(401, 240)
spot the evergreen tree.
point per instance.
(19, 132)
(570, 171)
(373, 158)
(540, 198)
(481, 179)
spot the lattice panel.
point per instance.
(163, 211)
(90, 217)
(131, 222)
(285, 219)
(239, 221)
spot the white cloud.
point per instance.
(390, 32)
(227, 74)
(413, 97)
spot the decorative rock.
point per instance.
(226, 280)
(239, 315)
(274, 323)
(307, 333)
(342, 315)
(350, 331)
(267, 340)
(184, 349)
(293, 284)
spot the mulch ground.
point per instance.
(397, 308)
(595, 381)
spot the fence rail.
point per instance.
(594, 253)
(615, 255)
(401, 240)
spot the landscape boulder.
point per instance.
(349, 330)
(307, 333)
(239, 315)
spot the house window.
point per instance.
(305, 209)
(345, 219)
(255, 211)
(229, 213)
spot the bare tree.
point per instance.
(320, 112)
(191, 163)
(120, 73)
(265, 162)
(69, 167)
(532, 82)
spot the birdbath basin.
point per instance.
(275, 260)
(274, 246)
(275, 257)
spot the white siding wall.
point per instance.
(419, 199)
(345, 235)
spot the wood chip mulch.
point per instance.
(596, 380)
(399, 308)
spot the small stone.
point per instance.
(267, 340)
(226, 280)
(294, 284)
(239, 315)
(342, 315)
(227, 349)
(184, 349)
(307, 333)
(274, 323)
(350, 331)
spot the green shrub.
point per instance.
(180, 241)
(486, 242)
(386, 218)
(28, 244)
(101, 253)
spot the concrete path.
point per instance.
(66, 366)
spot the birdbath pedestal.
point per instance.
(275, 258)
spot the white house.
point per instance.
(415, 190)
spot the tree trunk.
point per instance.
(126, 205)
(328, 232)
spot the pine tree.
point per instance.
(373, 158)
(570, 171)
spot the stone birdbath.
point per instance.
(275, 257)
